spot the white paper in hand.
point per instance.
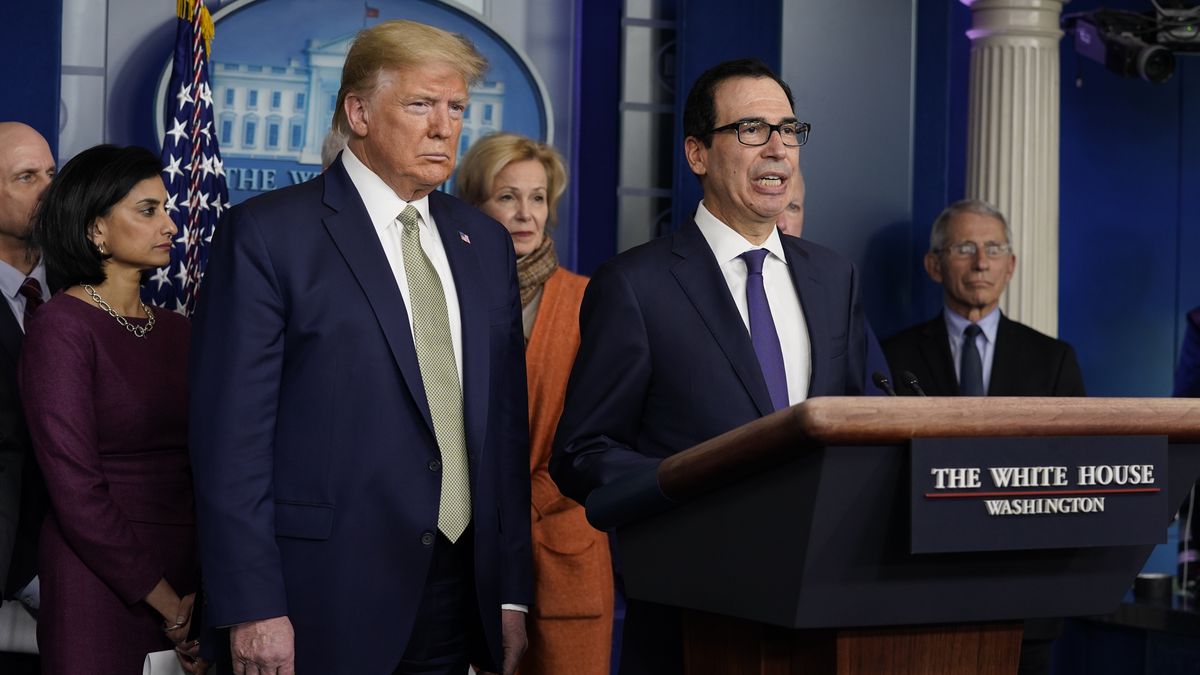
(162, 663)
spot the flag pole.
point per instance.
(194, 174)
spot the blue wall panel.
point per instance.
(595, 141)
(31, 52)
(712, 31)
(1123, 163)
(939, 136)
(931, 146)
(1188, 251)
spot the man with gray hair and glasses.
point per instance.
(972, 349)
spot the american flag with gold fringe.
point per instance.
(192, 168)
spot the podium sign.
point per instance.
(1001, 494)
(791, 544)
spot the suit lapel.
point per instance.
(352, 232)
(464, 265)
(701, 280)
(935, 350)
(1005, 352)
(816, 314)
(10, 332)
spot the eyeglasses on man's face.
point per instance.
(969, 249)
(757, 132)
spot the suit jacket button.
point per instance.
(435, 465)
(427, 538)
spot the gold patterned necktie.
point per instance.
(439, 372)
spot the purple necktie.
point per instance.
(32, 291)
(762, 329)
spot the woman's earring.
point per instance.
(100, 247)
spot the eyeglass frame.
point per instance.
(966, 253)
(802, 128)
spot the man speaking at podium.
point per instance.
(702, 331)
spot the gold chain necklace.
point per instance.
(138, 331)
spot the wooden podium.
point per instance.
(786, 541)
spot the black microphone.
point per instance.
(882, 384)
(911, 381)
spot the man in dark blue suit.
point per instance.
(359, 435)
(725, 321)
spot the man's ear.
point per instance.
(696, 154)
(933, 267)
(1012, 267)
(357, 109)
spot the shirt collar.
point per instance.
(956, 324)
(383, 205)
(727, 244)
(11, 278)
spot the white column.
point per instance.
(1012, 142)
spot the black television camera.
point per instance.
(1138, 44)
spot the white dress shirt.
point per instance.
(985, 342)
(10, 284)
(384, 207)
(786, 310)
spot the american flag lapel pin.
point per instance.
(463, 235)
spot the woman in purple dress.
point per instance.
(103, 379)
